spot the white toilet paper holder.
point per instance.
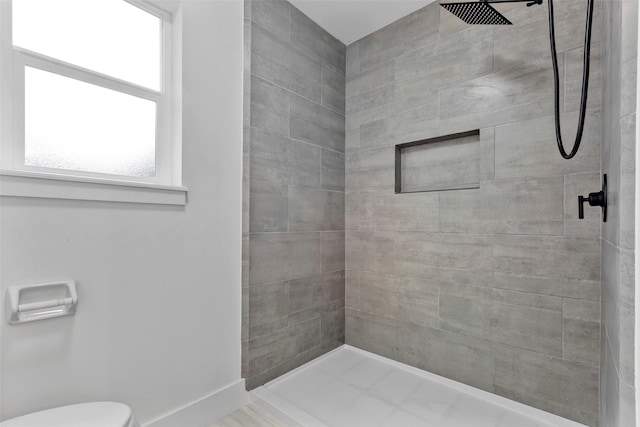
(28, 303)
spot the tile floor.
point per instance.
(352, 388)
(249, 416)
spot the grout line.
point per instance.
(296, 140)
(322, 85)
(311, 56)
(562, 348)
(342, 114)
(564, 200)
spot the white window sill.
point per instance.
(52, 186)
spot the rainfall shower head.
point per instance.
(476, 13)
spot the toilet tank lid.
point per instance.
(93, 414)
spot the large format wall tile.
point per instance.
(274, 354)
(533, 322)
(272, 15)
(371, 180)
(385, 211)
(404, 298)
(518, 93)
(333, 290)
(573, 78)
(619, 89)
(363, 82)
(332, 250)
(581, 331)
(533, 206)
(316, 124)
(517, 273)
(285, 161)
(269, 308)
(369, 251)
(445, 258)
(562, 266)
(333, 89)
(308, 36)
(268, 203)
(627, 181)
(528, 38)
(410, 32)
(381, 158)
(281, 256)
(333, 170)
(332, 328)
(293, 191)
(269, 107)
(565, 388)
(369, 332)
(528, 148)
(305, 293)
(462, 358)
(627, 316)
(469, 54)
(315, 210)
(629, 90)
(284, 65)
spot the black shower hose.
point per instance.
(585, 80)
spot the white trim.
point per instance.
(174, 66)
(512, 405)
(637, 240)
(46, 63)
(271, 398)
(205, 410)
(164, 106)
(6, 89)
(13, 61)
(68, 187)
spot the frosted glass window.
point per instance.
(73, 125)
(112, 37)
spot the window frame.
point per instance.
(13, 62)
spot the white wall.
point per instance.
(158, 322)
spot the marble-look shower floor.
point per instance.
(353, 388)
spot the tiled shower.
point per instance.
(486, 276)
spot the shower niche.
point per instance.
(448, 162)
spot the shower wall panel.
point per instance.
(620, 36)
(293, 185)
(496, 287)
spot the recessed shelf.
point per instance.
(448, 162)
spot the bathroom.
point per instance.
(279, 236)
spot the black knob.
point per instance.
(581, 200)
(595, 199)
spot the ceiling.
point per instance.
(350, 20)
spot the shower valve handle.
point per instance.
(595, 199)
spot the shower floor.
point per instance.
(353, 388)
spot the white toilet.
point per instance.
(93, 414)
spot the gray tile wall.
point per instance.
(293, 184)
(620, 35)
(497, 287)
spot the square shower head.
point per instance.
(476, 13)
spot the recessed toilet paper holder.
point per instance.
(28, 303)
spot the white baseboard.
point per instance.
(207, 410)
